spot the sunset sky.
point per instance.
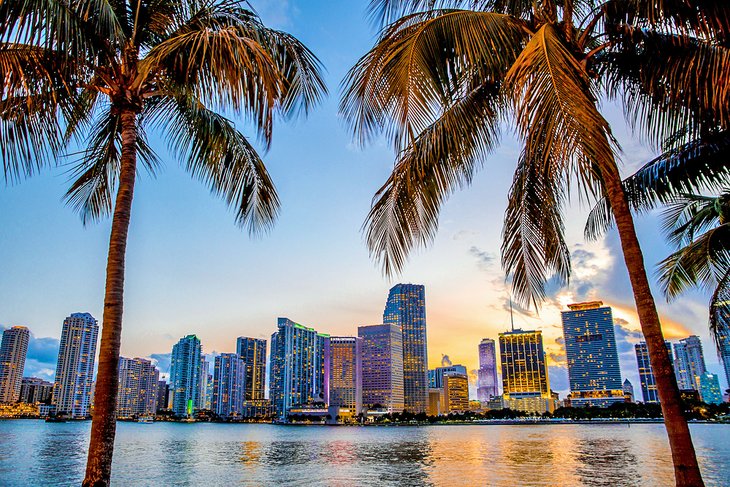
(191, 270)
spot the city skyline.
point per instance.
(326, 184)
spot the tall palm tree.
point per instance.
(441, 79)
(104, 74)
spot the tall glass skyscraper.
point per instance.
(710, 391)
(487, 384)
(137, 393)
(590, 348)
(689, 362)
(406, 307)
(229, 385)
(13, 351)
(297, 366)
(253, 353)
(525, 380)
(382, 366)
(75, 367)
(646, 374)
(185, 369)
(343, 374)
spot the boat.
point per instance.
(146, 419)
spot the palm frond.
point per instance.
(668, 82)
(422, 63)
(533, 246)
(698, 165)
(213, 151)
(443, 157)
(702, 263)
(687, 216)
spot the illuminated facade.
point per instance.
(628, 390)
(185, 368)
(436, 376)
(524, 372)
(646, 374)
(13, 350)
(343, 374)
(34, 390)
(487, 383)
(229, 385)
(382, 366)
(724, 351)
(689, 362)
(137, 393)
(75, 367)
(710, 391)
(297, 367)
(456, 392)
(590, 349)
(253, 353)
(406, 307)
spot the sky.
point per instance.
(189, 269)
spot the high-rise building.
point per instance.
(487, 383)
(253, 352)
(34, 390)
(297, 366)
(137, 393)
(724, 351)
(628, 389)
(185, 368)
(646, 374)
(163, 394)
(13, 350)
(343, 373)
(206, 384)
(435, 399)
(590, 349)
(382, 366)
(710, 391)
(72, 388)
(436, 376)
(689, 362)
(524, 372)
(229, 385)
(406, 307)
(456, 392)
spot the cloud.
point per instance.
(162, 361)
(445, 361)
(517, 308)
(484, 258)
(559, 382)
(463, 234)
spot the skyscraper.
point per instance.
(456, 392)
(710, 391)
(163, 394)
(436, 376)
(689, 363)
(487, 384)
(628, 390)
(524, 373)
(75, 368)
(297, 366)
(406, 307)
(137, 393)
(13, 351)
(646, 374)
(343, 373)
(590, 348)
(229, 385)
(205, 383)
(34, 390)
(185, 368)
(382, 366)
(253, 353)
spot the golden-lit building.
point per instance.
(524, 372)
(434, 401)
(343, 378)
(456, 393)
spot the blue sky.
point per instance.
(191, 270)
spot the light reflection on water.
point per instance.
(38, 453)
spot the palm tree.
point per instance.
(105, 74)
(697, 225)
(441, 79)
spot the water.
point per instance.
(39, 453)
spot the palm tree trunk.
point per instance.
(103, 426)
(686, 469)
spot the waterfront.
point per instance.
(38, 453)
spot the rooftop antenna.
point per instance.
(511, 315)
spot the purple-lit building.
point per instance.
(487, 384)
(382, 367)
